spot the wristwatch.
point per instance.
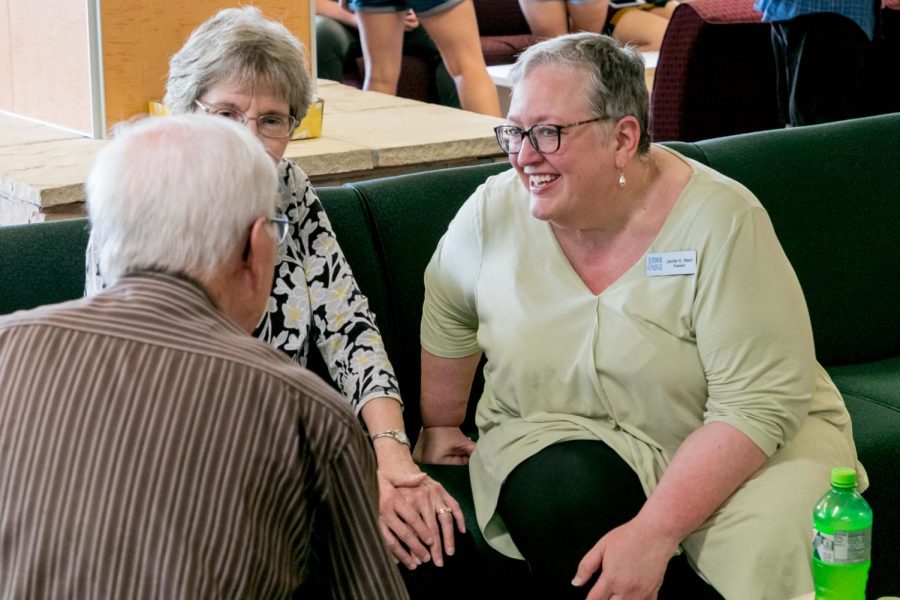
(394, 434)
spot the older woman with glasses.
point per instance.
(240, 66)
(651, 387)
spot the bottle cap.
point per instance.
(843, 477)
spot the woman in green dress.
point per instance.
(651, 387)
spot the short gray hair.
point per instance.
(177, 194)
(240, 45)
(615, 75)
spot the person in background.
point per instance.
(454, 29)
(885, 68)
(651, 387)
(552, 18)
(163, 452)
(337, 42)
(813, 40)
(243, 67)
(643, 25)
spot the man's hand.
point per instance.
(892, 4)
(443, 446)
(416, 514)
(632, 560)
(410, 20)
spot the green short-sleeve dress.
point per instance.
(710, 325)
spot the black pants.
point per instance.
(557, 504)
(819, 62)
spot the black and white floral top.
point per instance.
(314, 298)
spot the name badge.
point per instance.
(672, 263)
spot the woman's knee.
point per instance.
(561, 501)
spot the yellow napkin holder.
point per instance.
(311, 125)
(157, 109)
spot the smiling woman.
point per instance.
(587, 157)
(243, 67)
(652, 407)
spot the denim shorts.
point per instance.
(423, 8)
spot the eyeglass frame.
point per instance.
(282, 225)
(292, 120)
(529, 133)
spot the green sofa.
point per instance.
(832, 191)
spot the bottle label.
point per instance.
(843, 547)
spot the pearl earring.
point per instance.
(622, 179)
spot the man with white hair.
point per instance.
(150, 446)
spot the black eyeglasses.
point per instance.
(544, 137)
(272, 126)
(282, 224)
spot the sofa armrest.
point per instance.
(872, 394)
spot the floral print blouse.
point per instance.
(314, 298)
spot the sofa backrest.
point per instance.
(832, 192)
(834, 209)
(41, 263)
(387, 229)
(829, 189)
(407, 215)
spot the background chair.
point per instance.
(716, 73)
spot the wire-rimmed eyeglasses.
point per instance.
(281, 225)
(544, 137)
(271, 125)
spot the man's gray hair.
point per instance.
(177, 194)
(239, 45)
(615, 75)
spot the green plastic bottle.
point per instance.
(842, 523)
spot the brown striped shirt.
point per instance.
(151, 449)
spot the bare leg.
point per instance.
(381, 35)
(546, 19)
(667, 10)
(589, 16)
(455, 32)
(641, 28)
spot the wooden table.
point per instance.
(365, 134)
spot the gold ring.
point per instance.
(444, 510)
